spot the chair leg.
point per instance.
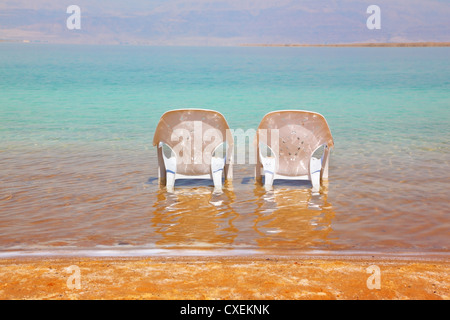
(325, 163)
(217, 179)
(217, 167)
(258, 165)
(170, 181)
(268, 163)
(258, 168)
(228, 171)
(315, 168)
(161, 168)
(268, 179)
(315, 181)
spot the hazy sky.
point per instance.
(224, 22)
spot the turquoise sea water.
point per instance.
(77, 167)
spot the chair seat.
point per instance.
(293, 136)
(192, 137)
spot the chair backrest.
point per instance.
(299, 134)
(193, 134)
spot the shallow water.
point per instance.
(78, 171)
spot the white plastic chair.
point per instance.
(286, 141)
(193, 144)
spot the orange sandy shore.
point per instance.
(226, 278)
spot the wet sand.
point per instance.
(226, 278)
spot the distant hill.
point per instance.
(227, 22)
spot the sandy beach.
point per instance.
(225, 278)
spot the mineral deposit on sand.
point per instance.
(264, 278)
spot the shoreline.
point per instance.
(351, 45)
(139, 252)
(355, 45)
(265, 277)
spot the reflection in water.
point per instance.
(287, 217)
(194, 218)
(292, 218)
